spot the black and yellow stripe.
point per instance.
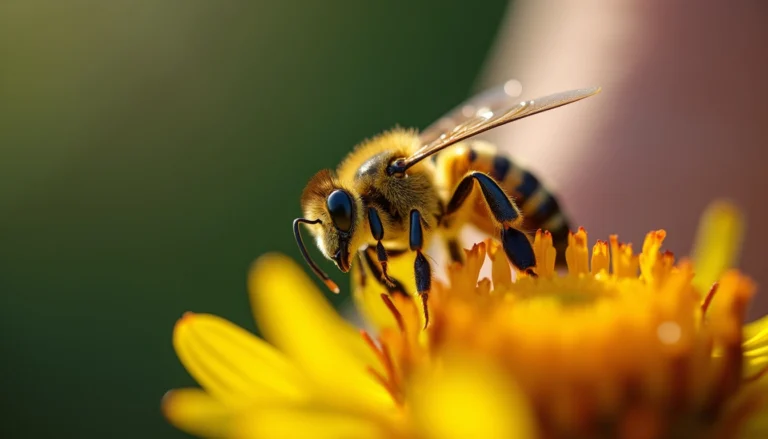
(539, 206)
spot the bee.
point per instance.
(385, 199)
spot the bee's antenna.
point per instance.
(297, 233)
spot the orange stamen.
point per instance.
(386, 384)
(395, 312)
(708, 298)
(369, 341)
(389, 380)
(389, 365)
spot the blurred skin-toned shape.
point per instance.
(680, 121)
(150, 150)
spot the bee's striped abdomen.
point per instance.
(539, 206)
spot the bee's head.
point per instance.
(339, 210)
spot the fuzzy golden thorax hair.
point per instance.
(363, 176)
(365, 168)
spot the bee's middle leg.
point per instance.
(421, 268)
(516, 244)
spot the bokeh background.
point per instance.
(149, 151)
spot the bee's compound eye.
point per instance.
(340, 209)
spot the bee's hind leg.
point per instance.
(516, 244)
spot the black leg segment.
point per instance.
(377, 230)
(518, 248)
(460, 195)
(393, 286)
(423, 273)
(423, 282)
(416, 238)
(516, 244)
(502, 208)
(421, 268)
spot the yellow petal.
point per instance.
(234, 365)
(287, 423)
(754, 365)
(293, 315)
(718, 242)
(467, 399)
(196, 412)
(756, 334)
(755, 346)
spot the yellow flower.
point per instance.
(623, 345)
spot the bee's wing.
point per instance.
(489, 119)
(492, 99)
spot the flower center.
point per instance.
(588, 293)
(592, 349)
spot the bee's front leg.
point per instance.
(421, 268)
(367, 259)
(377, 230)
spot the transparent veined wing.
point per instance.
(493, 99)
(489, 120)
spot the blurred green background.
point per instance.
(150, 150)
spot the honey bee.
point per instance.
(385, 199)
